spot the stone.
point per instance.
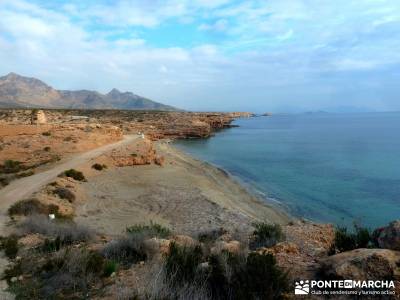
(363, 264)
(388, 237)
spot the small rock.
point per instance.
(389, 237)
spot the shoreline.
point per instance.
(185, 194)
(259, 199)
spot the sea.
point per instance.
(338, 168)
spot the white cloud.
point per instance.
(275, 50)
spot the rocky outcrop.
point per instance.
(388, 237)
(363, 264)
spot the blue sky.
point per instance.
(271, 55)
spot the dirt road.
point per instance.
(25, 187)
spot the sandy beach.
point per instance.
(185, 194)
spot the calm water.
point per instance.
(336, 168)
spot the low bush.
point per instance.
(126, 250)
(211, 235)
(150, 231)
(46, 133)
(64, 193)
(266, 235)
(25, 174)
(260, 279)
(32, 206)
(346, 241)
(4, 181)
(11, 166)
(99, 167)
(10, 246)
(77, 175)
(67, 231)
(222, 276)
(47, 148)
(110, 267)
(182, 263)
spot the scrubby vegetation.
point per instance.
(47, 148)
(211, 235)
(11, 166)
(221, 276)
(9, 245)
(346, 240)
(99, 167)
(266, 235)
(77, 175)
(46, 133)
(65, 266)
(65, 193)
(126, 250)
(150, 231)
(32, 206)
(65, 230)
(66, 274)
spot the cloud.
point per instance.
(224, 54)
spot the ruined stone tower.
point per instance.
(38, 117)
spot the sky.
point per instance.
(219, 55)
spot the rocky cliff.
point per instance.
(20, 91)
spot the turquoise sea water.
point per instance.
(339, 168)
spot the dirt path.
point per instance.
(25, 187)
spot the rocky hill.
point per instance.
(19, 91)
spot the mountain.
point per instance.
(17, 91)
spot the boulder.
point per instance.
(363, 264)
(388, 237)
(233, 247)
(184, 240)
(156, 246)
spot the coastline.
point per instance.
(273, 209)
(187, 195)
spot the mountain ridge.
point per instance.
(17, 91)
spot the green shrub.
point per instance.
(150, 231)
(99, 167)
(77, 175)
(25, 174)
(227, 275)
(64, 193)
(182, 262)
(46, 133)
(260, 279)
(126, 250)
(110, 267)
(266, 235)
(10, 246)
(30, 207)
(11, 166)
(211, 235)
(67, 231)
(346, 241)
(4, 181)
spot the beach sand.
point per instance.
(185, 194)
